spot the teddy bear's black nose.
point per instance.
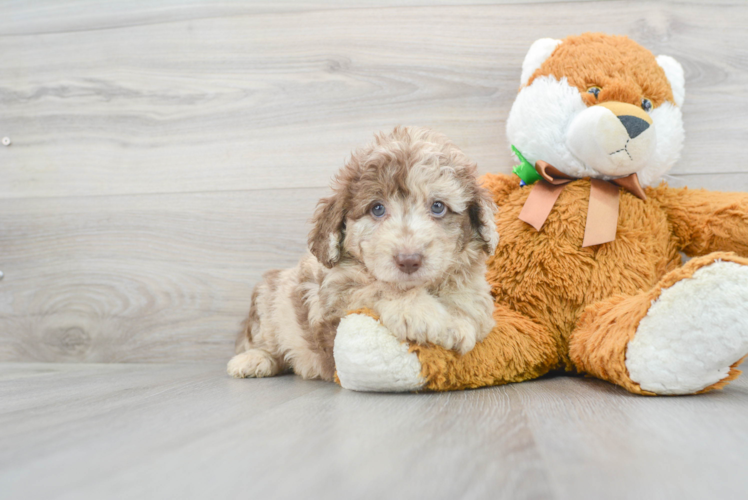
(634, 125)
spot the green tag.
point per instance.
(525, 170)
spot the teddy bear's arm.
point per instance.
(500, 185)
(706, 221)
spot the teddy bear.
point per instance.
(589, 275)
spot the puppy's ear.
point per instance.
(482, 211)
(326, 236)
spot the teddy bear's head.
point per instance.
(599, 106)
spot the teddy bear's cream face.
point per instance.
(616, 138)
(602, 122)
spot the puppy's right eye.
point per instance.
(438, 208)
(378, 210)
(594, 90)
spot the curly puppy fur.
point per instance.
(381, 242)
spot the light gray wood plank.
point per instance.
(334, 442)
(50, 16)
(715, 181)
(278, 99)
(140, 278)
(599, 441)
(158, 431)
(81, 414)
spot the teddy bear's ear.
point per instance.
(539, 51)
(674, 73)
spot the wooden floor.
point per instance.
(84, 431)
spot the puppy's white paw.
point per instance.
(434, 326)
(462, 335)
(252, 363)
(418, 326)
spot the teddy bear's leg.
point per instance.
(687, 335)
(517, 349)
(369, 358)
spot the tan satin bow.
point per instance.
(602, 213)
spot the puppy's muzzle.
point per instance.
(408, 263)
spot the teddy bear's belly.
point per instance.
(549, 277)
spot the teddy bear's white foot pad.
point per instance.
(369, 358)
(693, 332)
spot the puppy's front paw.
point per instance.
(434, 326)
(414, 325)
(462, 335)
(252, 363)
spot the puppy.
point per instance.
(406, 234)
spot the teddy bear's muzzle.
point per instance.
(612, 138)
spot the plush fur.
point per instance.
(713, 298)
(421, 270)
(627, 311)
(367, 343)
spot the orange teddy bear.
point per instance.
(588, 276)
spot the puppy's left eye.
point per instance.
(438, 208)
(646, 105)
(378, 210)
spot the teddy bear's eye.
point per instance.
(646, 105)
(594, 91)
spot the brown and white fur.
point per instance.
(381, 242)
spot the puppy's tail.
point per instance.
(244, 338)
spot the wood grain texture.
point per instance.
(165, 153)
(50, 16)
(156, 431)
(226, 101)
(140, 278)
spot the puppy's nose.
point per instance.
(408, 262)
(634, 125)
